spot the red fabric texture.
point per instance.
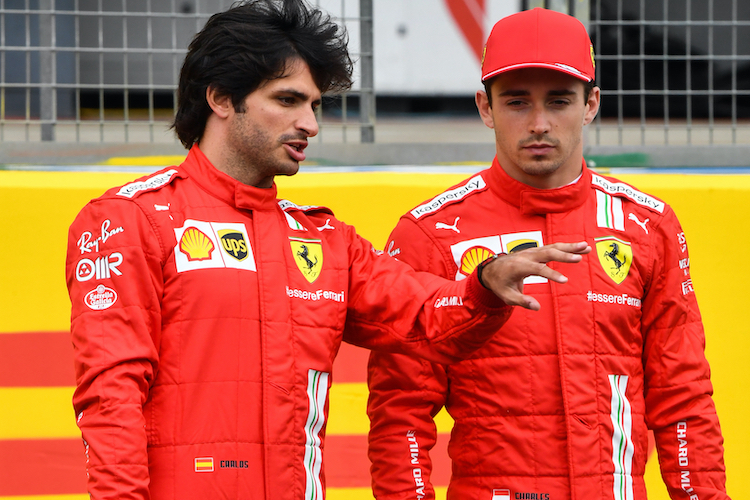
(534, 408)
(206, 317)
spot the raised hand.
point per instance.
(505, 274)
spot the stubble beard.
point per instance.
(257, 154)
(544, 165)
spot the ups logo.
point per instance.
(233, 243)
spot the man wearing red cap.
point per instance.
(557, 405)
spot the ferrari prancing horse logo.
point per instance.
(308, 254)
(615, 256)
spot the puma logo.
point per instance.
(635, 219)
(454, 227)
(326, 226)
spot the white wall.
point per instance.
(420, 50)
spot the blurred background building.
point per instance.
(672, 72)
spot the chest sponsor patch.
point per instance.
(615, 257)
(474, 184)
(213, 245)
(234, 243)
(157, 181)
(515, 242)
(622, 189)
(308, 254)
(470, 253)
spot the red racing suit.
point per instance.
(206, 315)
(558, 405)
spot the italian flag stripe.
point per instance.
(622, 438)
(293, 223)
(609, 211)
(317, 392)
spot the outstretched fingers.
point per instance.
(562, 252)
(505, 275)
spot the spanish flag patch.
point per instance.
(204, 464)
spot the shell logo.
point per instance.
(196, 245)
(473, 257)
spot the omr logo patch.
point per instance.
(198, 242)
(233, 243)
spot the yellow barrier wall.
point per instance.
(37, 208)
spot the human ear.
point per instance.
(592, 105)
(220, 104)
(485, 110)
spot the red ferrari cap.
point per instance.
(539, 38)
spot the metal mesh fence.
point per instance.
(107, 70)
(672, 72)
(674, 76)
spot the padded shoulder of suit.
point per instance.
(145, 184)
(288, 206)
(614, 187)
(457, 193)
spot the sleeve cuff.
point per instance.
(481, 295)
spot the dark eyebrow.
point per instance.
(514, 93)
(561, 93)
(551, 93)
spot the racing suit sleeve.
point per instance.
(677, 385)
(394, 308)
(114, 277)
(405, 395)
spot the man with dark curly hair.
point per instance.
(207, 312)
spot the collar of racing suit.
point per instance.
(533, 201)
(224, 187)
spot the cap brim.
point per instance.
(557, 67)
